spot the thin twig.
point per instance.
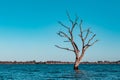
(64, 48)
(69, 17)
(94, 42)
(91, 38)
(62, 34)
(63, 25)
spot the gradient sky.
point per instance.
(28, 29)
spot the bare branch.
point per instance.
(91, 39)
(80, 25)
(66, 41)
(75, 23)
(87, 33)
(76, 47)
(71, 35)
(94, 42)
(63, 25)
(64, 48)
(81, 37)
(70, 38)
(81, 32)
(62, 34)
(87, 45)
(69, 17)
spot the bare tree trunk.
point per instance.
(77, 60)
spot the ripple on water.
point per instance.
(59, 72)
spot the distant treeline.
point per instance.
(57, 62)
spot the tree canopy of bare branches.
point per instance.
(87, 39)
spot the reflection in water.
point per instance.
(72, 75)
(80, 75)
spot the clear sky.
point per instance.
(28, 29)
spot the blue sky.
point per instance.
(28, 29)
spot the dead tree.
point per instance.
(86, 43)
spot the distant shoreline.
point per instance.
(57, 62)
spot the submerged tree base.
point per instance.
(76, 68)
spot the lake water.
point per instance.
(59, 72)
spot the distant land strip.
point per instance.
(57, 62)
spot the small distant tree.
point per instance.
(86, 39)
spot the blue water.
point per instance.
(59, 72)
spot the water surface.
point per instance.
(59, 72)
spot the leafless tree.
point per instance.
(86, 41)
